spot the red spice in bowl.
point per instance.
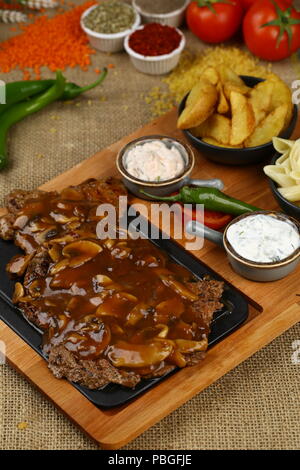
(154, 39)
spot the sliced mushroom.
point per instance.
(155, 333)
(103, 279)
(127, 296)
(63, 321)
(18, 292)
(92, 341)
(18, 265)
(123, 354)
(102, 282)
(24, 299)
(116, 305)
(55, 253)
(136, 314)
(69, 238)
(163, 331)
(59, 266)
(177, 358)
(20, 222)
(80, 252)
(63, 219)
(169, 308)
(178, 287)
(186, 346)
(36, 287)
(38, 225)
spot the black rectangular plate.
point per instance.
(225, 320)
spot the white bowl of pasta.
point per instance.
(284, 175)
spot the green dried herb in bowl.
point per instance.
(110, 18)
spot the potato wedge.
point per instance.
(231, 82)
(281, 95)
(230, 87)
(243, 120)
(223, 106)
(260, 99)
(217, 127)
(211, 74)
(200, 105)
(270, 127)
(211, 141)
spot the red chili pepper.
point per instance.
(154, 40)
(212, 219)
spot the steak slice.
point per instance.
(37, 267)
(92, 374)
(32, 312)
(209, 292)
(6, 226)
(106, 191)
(17, 198)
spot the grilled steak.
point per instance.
(92, 374)
(112, 310)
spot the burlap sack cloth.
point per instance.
(256, 406)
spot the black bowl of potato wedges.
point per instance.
(231, 119)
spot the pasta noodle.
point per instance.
(286, 171)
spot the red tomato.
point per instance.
(262, 27)
(216, 220)
(212, 219)
(214, 22)
(248, 3)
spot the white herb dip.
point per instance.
(154, 161)
(263, 238)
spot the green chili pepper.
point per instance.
(21, 91)
(212, 199)
(20, 110)
(72, 90)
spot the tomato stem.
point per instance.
(209, 4)
(284, 21)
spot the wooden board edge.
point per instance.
(286, 319)
(258, 329)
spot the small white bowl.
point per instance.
(174, 18)
(155, 65)
(108, 42)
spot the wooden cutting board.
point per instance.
(275, 307)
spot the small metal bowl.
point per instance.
(259, 272)
(162, 188)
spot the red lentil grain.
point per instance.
(54, 42)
